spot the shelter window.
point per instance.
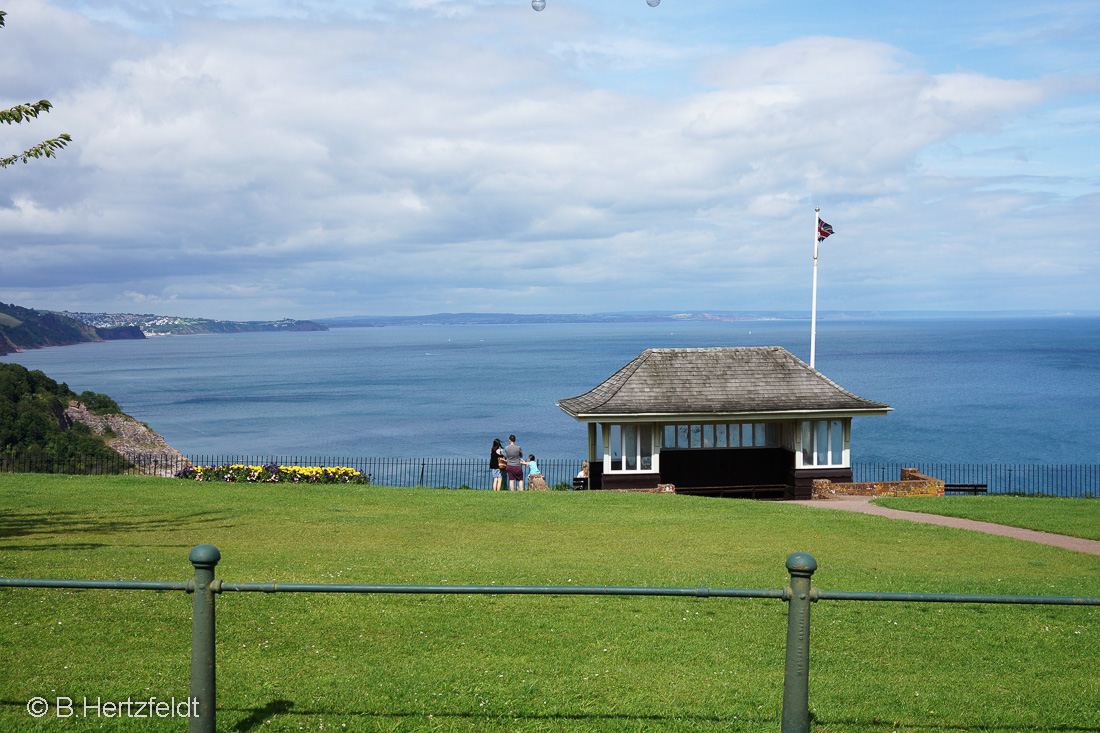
(631, 447)
(721, 435)
(823, 443)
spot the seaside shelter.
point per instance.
(728, 421)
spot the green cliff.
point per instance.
(25, 328)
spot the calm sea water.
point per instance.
(1021, 390)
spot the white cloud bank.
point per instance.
(449, 157)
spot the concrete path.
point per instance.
(863, 505)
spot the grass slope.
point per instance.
(1073, 517)
(507, 663)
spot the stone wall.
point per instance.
(661, 489)
(912, 483)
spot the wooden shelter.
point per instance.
(729, 421)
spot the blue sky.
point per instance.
(253, 160)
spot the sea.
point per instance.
(1020, 390)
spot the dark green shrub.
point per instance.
(99, 404)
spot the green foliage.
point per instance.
(22, 113)
(46, 149)
(34, 426)
(99, 403)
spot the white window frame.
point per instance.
(757, 433)
(639, 454)
(837, 434)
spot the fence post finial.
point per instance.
(796, 675)
(202, 711)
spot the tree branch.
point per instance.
(44, 149)
(21, 112)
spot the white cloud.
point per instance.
(407, 160)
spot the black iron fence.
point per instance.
(1080, 480)
(201, 704)
(1072, 480)
(451, 473)
(75, 465)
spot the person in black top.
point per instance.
(494, 463)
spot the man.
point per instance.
(513, 454)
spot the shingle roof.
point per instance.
(725, 380)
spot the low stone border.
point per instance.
(661, 489)
(912, 483)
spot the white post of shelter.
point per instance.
(813, 306)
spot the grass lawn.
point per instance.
(1073, 517)
(519, 663)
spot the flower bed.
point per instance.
(273, 474)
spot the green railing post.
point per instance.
(796, 675)
(203, 694)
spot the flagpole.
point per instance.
(813, 307)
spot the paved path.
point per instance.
(863, 504)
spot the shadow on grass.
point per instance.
(66, 546)
(51, 524)
(876, 724)
(259, 715)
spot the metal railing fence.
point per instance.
(1068, 480)
(73, 465)
(202, 701)
(449, 473)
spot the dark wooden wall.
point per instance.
(730, 467)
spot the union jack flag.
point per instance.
(823, 230)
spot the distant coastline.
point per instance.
(157, 325)
(26, 328)
(497, 319)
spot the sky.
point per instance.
(254, 160)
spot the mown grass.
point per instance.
(1073, 517)
(506, 663)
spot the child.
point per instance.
(536, 481)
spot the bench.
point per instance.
(580, 483)
(973, 489)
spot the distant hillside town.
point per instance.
(26, 328)
(154, 325)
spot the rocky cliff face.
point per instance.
(133, 440)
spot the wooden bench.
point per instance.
(580, 483)
(966, 488)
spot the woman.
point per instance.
(495, 455)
